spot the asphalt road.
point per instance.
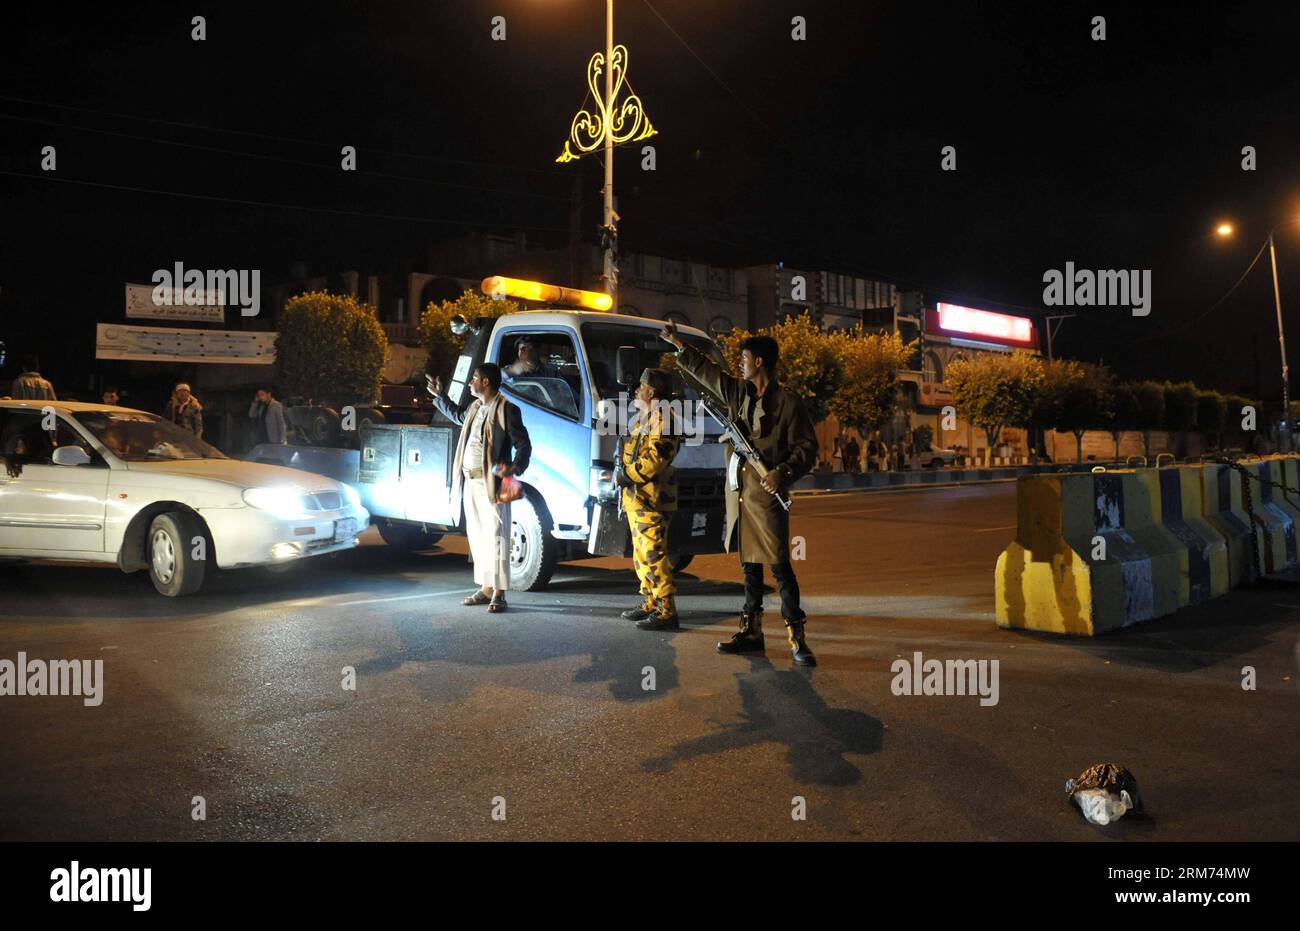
(235, 695)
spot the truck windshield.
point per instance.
(134, 436)
(604, 339)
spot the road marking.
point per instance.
(991, 529)
(371, 601)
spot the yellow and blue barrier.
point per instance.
(1098, 551)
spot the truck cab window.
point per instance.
(542, 367)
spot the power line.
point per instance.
(299, 141)
(304, 207)
(716, 76)
(1205, 313)
(276, 158)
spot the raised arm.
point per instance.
(433, 384)
(448, 410)
(705, 372)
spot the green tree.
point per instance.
(1125, 411)
(1180, 412)
(442, 344)
(993, 390)
(1211, 416)
(870, 363)
(1234, 415)
(1151, 411)
(810, 364)
(330, 349)
(1075, 397)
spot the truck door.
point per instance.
(543, 372)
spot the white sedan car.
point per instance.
(108, 484)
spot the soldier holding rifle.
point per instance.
(776, 423)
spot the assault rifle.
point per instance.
(739, 440)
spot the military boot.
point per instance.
(798, 648)
(664, 618)
(749, 639)
(643, 611)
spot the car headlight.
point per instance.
(350, 494)
(282, 501)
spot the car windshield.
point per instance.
(604, 339)
(135, 436)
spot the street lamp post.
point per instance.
(1281, 342)
(1226, 229)
(610, 227)
(609, 126)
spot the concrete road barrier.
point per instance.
(1096, 552)
(1225, 512)
(1275, 526)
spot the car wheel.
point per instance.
(681, 562)
(172, 567)
(407, 537)
(533, 551)
(936, 463)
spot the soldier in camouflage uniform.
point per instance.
(649, 488)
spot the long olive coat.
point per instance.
(786, 441)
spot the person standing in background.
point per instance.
(185, 411)
(267, 415)
(30, 385)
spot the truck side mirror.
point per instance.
(627, 362)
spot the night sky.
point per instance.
(824, 154)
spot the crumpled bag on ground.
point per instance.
(1105, 792)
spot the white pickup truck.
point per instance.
(92, 482)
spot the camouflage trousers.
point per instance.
(650, 550)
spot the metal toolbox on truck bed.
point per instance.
(405, 472)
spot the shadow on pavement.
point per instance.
(817, 737)
(1199, 636)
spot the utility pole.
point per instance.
(1057, 319)
(609, 231)
(1281, 341)
(607, 127)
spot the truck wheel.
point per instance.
(681, 562)
(407, 537)
(533, 551)
(172, 567)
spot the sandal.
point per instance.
(478, 598)
(497, 606)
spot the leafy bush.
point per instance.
(810, 364)
(330, 349)
(442, 344)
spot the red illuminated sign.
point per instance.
(953, 320)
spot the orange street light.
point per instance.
(1224, 229)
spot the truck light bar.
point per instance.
(498, 286)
